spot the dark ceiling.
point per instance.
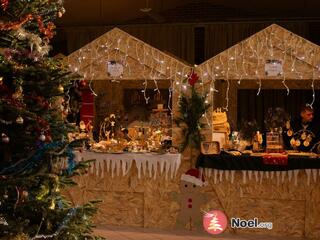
(103, 15)
(117, 12)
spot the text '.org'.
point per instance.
(252, 223)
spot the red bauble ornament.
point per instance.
(193, 78)
(4, 4)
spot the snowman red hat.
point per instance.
(194, 176)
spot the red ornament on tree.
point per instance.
(4, 4)
(193, 78)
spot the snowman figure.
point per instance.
(191, 199)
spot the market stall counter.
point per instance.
(260, 166)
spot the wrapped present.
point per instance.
(275, 159)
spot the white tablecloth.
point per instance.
(147, 163)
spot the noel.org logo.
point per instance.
(215, 222)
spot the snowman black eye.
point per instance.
(194, 185)
(186, 185)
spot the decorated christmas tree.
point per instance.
(33, 144)
(192, 107)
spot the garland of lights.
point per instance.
(242, 61)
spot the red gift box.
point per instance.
(275, 159)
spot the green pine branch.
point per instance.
(191, 109)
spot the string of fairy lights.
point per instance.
(120, 47)
(299, 59)
(246, 60)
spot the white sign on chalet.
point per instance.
(273, 68)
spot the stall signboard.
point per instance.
(273, 68)
(115, 69)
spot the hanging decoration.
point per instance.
(36, 44)
(271, 54)
(121, 50)
(15, 25)
(46, 30)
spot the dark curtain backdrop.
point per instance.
(179, 39)
(250, 106)
(173, 39)
(219, 37)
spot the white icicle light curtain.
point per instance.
(259, 176)
(247, 60)
(140, 60)
(148, 164)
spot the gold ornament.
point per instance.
(309, 138)
(289, 132)
(303, 136)
(1, 81)
(298, 143)
(293, 142)
(288, 125)
(306, 143)
(61, 88)
(53, 205)
(61, 12)
(19, 120)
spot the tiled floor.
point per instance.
(126, 233)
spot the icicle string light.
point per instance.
(120, 47)
(313, 91)
(91, 89)
(284, 72)
(228, 83)
(244, 61)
